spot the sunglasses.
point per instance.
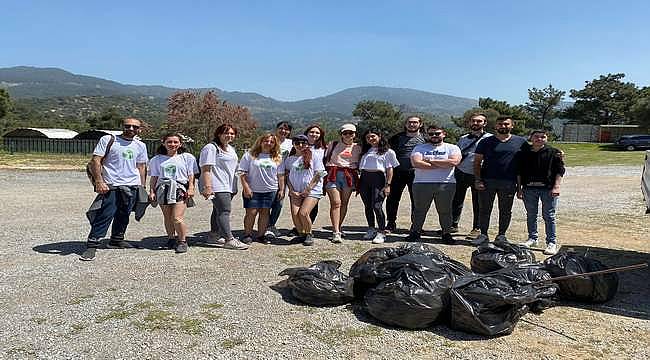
(300, 143)
(435, 133)
(134, 127)
(347, 133)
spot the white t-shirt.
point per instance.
(285, 147)
(431, 152)
(299, 177)
(373, 161)
(223, 167)
(178, 167)
(317, 154)
(120, 162)
(261, 172)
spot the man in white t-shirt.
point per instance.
(283, 133)
(118, 174)
(434, 164)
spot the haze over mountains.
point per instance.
(32, 83)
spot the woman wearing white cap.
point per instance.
(341, 162)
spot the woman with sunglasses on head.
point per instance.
(218, 182)
(304, 175)
(376, 165)
(172, 186)
(341, 161)
(261, 184)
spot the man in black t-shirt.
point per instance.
(495, 170)
(403, 144)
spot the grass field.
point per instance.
(576, 154)
(589, 154)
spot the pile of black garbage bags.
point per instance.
(416, 285)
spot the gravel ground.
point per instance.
(213, 303)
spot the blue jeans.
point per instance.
(276, 209)
(116, 207)
(532, 196)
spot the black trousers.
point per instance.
(464, 181)
(401, 179)
(371, 189)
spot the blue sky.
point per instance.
(293, 50)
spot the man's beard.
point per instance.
(503, 131)
(476, 127)
(435, 142)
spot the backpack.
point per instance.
(89, 173)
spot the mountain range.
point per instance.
(42, 85)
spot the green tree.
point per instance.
(606, 100)
(7, 121)
(640, 110)
(519, 113)
(543, 103)
(378, 114)
(108, 119)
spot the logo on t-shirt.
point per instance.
(435, 153)
(170, 171)
(298, 166)
(128, 154)
(266, 164)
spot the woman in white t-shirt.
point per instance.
(304, 174)
(261, 184)
(172, 186)
(218, 182)
(376, 165)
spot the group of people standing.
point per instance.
(304, 168)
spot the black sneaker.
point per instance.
(247, 239)
(293, 232)
(120, 244)
(391, 227)
(88, 254)
(309, 240)
(413, 237)
(447, 239)
(181, 247)
(454, 229)
(266, 240)
(297, 240)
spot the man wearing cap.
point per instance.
(341, 162)
(403, 144)
(434, 180)
(119, 174)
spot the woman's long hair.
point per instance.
(275, 154)
(306, 156)
(382, 146)
(222, 130)
(162, 150)
(320, 144)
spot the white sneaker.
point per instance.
(380, 237)
(336, 238)
(235, 244)
(551, 249)
(529, 243)
(213, 240)
(480, 240)
(269, 233)
(273, 230)
(370, 234)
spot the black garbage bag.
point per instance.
(592, 288)
(492, 304)
(368, 271)
(489, 257)
(321, 284)
(415, 295)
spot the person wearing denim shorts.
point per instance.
(342, 160)
(540, 175)
(261, 184)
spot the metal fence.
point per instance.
(60, 146)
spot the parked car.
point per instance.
(633, 142)
(645, 181)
